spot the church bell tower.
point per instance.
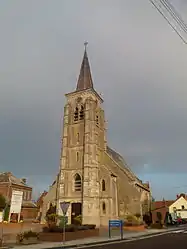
(83, 141)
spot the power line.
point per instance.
(170, 9)
(174, 14)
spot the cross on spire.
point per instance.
(85, 45)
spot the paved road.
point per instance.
(176, 239)
(172, 241)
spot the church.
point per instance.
(94, 178)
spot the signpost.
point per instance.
(116, 224)
(16, 202)
(64, 207)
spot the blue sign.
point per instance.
(115, 223)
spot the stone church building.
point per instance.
(93, 178)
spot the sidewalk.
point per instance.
(93, 240)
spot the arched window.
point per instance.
(104, 208)
(103, 185)
(77, 156)
(78, 138)
(81, 115)
(97, 119)
(76, 114)
(77, 183)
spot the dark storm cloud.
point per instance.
(138, 63)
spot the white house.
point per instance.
(179, 208)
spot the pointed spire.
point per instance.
(85, 77)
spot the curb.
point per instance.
(89, 244)
(108, 241)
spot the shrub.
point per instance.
(78, 220)
(68, 228)
(71, 228)
(132, 220)
(62, 221)
(30, 234)
(2, 202)
(90, 226)
(58, 229)
(51, 216)
(26, 235)
(6, 213)
(83, 227)
(147, 218)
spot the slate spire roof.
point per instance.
(85, 76)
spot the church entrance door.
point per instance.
(76, 210)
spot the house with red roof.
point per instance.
(176, 208)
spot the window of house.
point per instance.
(103, 185)
(182, 206)
(76, 114)
(81, 115)
(77, 183)
(104, 208)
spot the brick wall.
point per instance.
(29, 213)
(162, 210)
(4, 189)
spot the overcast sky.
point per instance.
(138, 64)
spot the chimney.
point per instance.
(24, 180)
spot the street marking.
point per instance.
(178, 231)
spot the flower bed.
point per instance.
(68, 228)
(55, 233)
(58, 237)
(134, 228)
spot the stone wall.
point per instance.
(128, 195)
